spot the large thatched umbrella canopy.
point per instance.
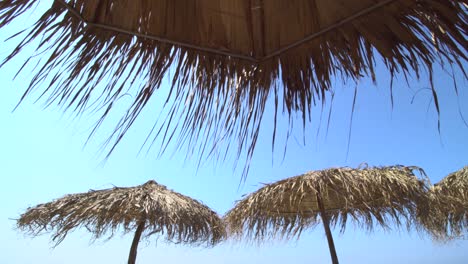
(225, 58)
(367, 196)
(446, 214)
(146, 209)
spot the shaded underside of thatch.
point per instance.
(176, 217)
(367, 196)
(446, 215)
(228, 57)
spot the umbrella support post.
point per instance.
(136, 240)
(326, 225)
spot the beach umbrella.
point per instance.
(368, 196)
(446, 214)
(225, 59)
(145, 209)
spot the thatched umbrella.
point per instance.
(149, 208)
(228, 57)
(367, 196)
(445, 216)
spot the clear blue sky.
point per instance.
(42, 158)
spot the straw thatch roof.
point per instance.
(367, 196)
(178, 218)
(224, 59)
(446, 215)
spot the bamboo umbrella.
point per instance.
(148, 209)
(225, 59)
(367, 196)
(446, 214)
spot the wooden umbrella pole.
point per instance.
(136, 240)
(326, 225)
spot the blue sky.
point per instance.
(43, 157)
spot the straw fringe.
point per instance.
(366, 196)
(445, 215)
(176, 217)
(223, 73)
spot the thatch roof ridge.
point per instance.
(455, 178)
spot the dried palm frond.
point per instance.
(149, 208)
(446, 214)
(367, 196)
(228, 57)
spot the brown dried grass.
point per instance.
(446, 214)
(228, 57)
(367, 196)
(177, 218)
